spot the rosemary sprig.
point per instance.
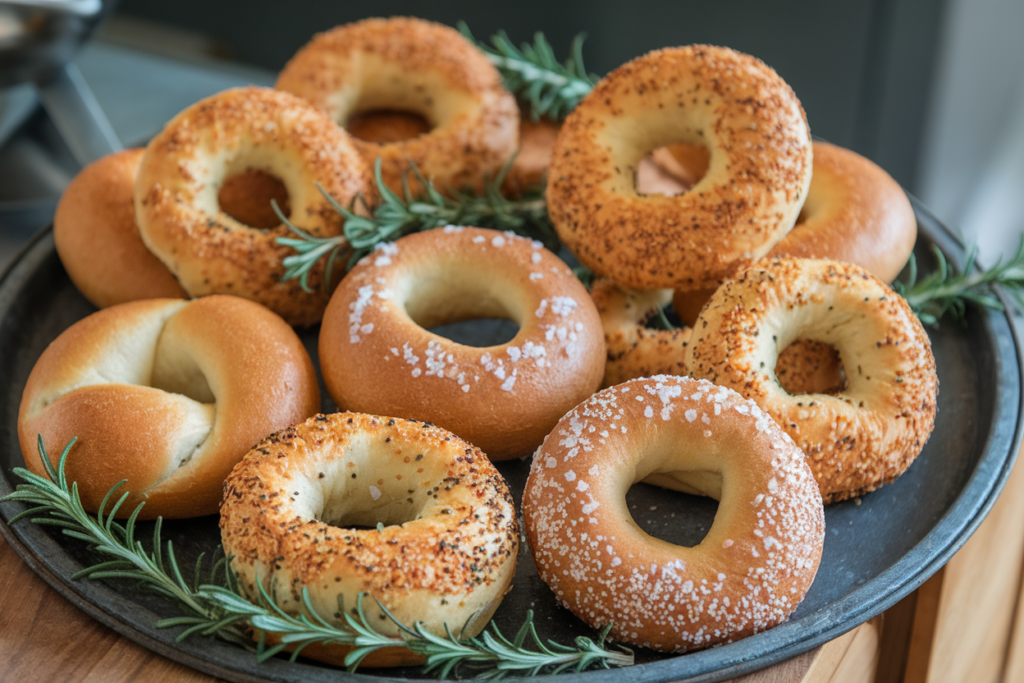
(946, 292)
(220, 609)
(397, 216)
(550, 88)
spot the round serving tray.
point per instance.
(877, 549)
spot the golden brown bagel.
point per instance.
(633, 350)
(417, 66)
(760, 168)
(97, 239)
(239, 130)
(378, 357)
(870, 432)
(167, 394)
(445, 555)
(751, 570)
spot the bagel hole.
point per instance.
(672, 170)
(176, 372)
(479, 332)
(246, 197)
(387, 125)
(668, 320)
(451, 305)
(810, 367)
(681, 519)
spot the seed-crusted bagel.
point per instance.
(239, 130)
(445, 556)
(870, 432)
(167, 394)
(759, 172)
(419, 66)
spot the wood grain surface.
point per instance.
(45, 638)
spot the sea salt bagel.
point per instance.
(634, 350)
(235, 131)
(759, 172)
(98, 241)
(444, 557)
(751, 570)
(413, 65)
(870, 432)
(167, 394)
(378, 356)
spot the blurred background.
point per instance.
(932, 90)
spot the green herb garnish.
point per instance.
(218, 608)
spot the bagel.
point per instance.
(855, 212)
(760, 168)
(444, 557)
(633, 350)
(870, 432)
(751, 570)
(165, 394)
(97, 239)
(239, 130)
(377, 357)
(415, 66)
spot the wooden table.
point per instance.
(964, 624)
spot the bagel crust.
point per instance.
(633, 349)
(856, 213)
(98, 241)
(751, 570)
(414, 65)
(760, 168)
(444, 557)
(239, 130)
(166, 394)
(378, 356)
(865, 435)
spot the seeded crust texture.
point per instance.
(167, 394)
(634, 350)
(378, 355)
(413, 65)
(759, 172)
(869, 433)
(98, 241)
(751, 570)
(446, 554)
(240, 130)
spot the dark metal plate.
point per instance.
(876, 552)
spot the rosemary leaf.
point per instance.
(946, 292)
(548, 87)
(222, 611)
(397, 216)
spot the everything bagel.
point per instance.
(443, 557)
(240, 130)
(760, 168)
(418, 66)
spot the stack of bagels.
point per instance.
(687, 176)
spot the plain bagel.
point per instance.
(751, 570)
(377, 355)
(437, 538)
(167, 394)
(413, 65)
(760, 168)
(98, 241)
